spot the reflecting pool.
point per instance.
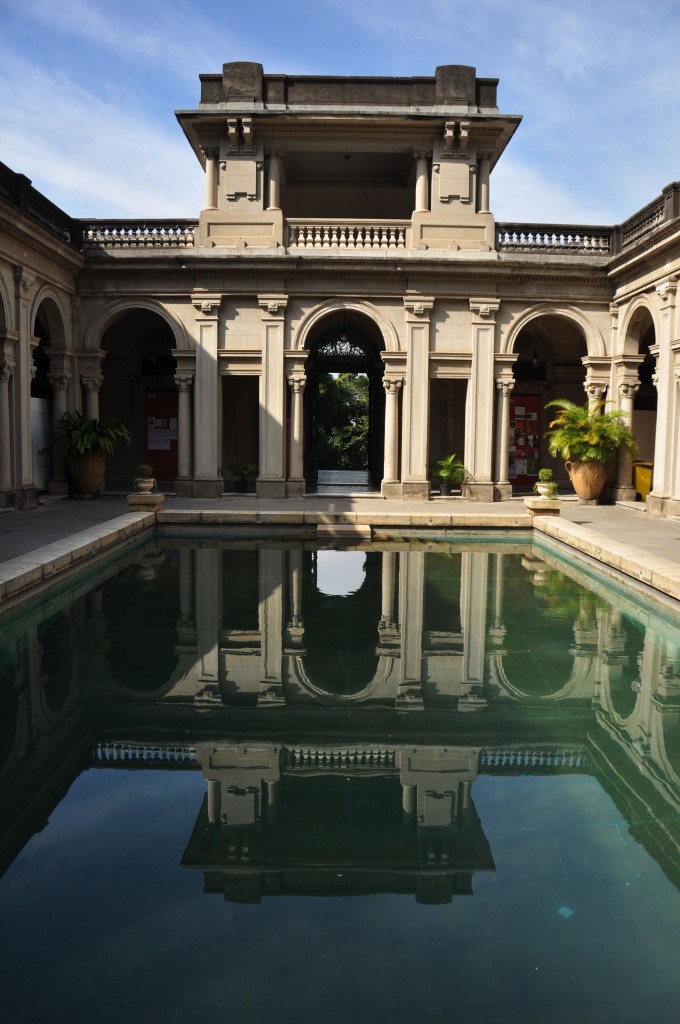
(255, 781)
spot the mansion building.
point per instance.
(347, 227)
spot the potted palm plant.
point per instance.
(239, 473)
(449, 470)
(587, 438)
(85, 443)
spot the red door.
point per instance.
(161, 432)
(524, 439)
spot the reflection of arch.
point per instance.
(376, 688)
(107, 316)
(329, 313)
(592, 336)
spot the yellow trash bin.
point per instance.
(642, 478)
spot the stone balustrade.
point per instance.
(554, 239)
(351, 235)
(641, 223)
(147, 234)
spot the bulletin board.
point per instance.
(161, 433)
(525, 435)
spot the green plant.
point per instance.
(545, 484)
(75, 434)
(450, 469)
(583, 434)
(240, 470)
(144, 471)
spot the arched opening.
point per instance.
(344, 406)
(550, 351)
(139, 390)
(48, 329)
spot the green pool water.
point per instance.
(254, 781)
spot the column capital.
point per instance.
(485, 309)
(59, 381)
(505, 386)
(273, 305)
(392, 385)
(184, 381)
(6, 369)
(629, 388)
(208, 305)
(92, 381)
(595, 390)
(667, 290)
(297, 384)
(419, 306)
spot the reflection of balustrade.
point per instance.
(534, 758)
(304, 234)
(129, 755)
(310, 757)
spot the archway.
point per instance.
(345, 404)
(550, 350)
(139, 390)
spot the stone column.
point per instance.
(6, 493)
(207, 458)
(504, 386)
(92, 382)
(665, 444)
(483, 184)
(211, 156)
(60, 384)
(422, 181)
(295, 485)
(274, 181)
(416, 401)
(184, 384)
(271, 482)
(625, 491)
(390, 482)
(479, 405)
(26, 494)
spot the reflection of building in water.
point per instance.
(341, 819)
(440, 632)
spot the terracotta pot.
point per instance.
(87, 473)
(587, 478)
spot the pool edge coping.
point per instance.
(21, 575)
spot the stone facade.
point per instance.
(347, 224)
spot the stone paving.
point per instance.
(622, 536)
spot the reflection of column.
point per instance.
(390, 472)
(184, 384)
(295, 576)
(208, 614)
(504, 389)
(60, 384)
(411, 594)
(5, 450)
(474, 595)
(296, 481)
(214, 802)
(270, 614)
(185, 626)
(92, 383)
(387, 607)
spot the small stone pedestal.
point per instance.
(543, 506)
(139, 502)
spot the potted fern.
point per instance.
(588, 440)
(449, 470)
(545, 486)
(85, 443)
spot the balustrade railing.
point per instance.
(351, 235)
(148, 234)
(554, 239)
(641, 223)
(342, 758)
(142, 755)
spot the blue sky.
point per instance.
(89, 88)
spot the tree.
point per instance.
(343, 421)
